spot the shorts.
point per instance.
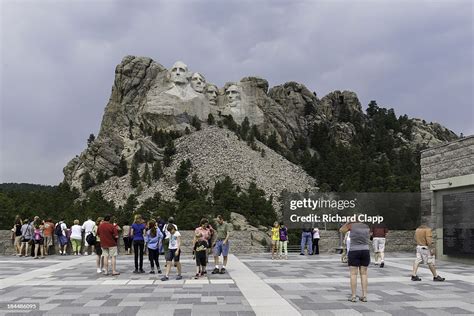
(62, 240)
(48, 241)
(25, 240)
(17, 240)
(109, 252)
(275, 242)
(171, 255)
(358, 258)
(423, 255)
(220, 248)
(39, 241)
(98, 249)
(379, 244)
(201, 258)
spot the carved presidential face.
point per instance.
(211, 94)
(179, 73)
(198, 82)
(233, 94)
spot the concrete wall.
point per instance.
(445, 169)
(242, 242)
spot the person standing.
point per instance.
(48, 231)
(283, 241)
(358, 257)
(17, 235)
(137, 231)
(88, 228)
(221, 244)
(38, 239)
(127, 242)
(307, 239)
(201, 233)
(315, 241)
(108, 235)
(425, 253)
(174, 251)
(275, 239)
(60, 232)
(153, 238)
(98, 249)
(377, 234)
(76, 237)
(26, 236)
(161, 224)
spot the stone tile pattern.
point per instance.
(401, 297)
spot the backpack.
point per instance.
(58, 230)
(91, 239)
(37, 234)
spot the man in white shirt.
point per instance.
(88, 228)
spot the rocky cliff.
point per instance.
(148, 99)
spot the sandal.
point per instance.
(352, 299)
(363, 299)
(116, 273)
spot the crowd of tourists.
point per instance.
(154, 237)
(356, 252)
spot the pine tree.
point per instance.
(122, 168)
(170, 150)
(146, 177)
(272, 142)
(130, 206)
(245, 128)
(87, 181)
(157, 170)
(196, 123)
(90, 140)
(183, 170)
(101, 177)
(134, 175)
(210, 119)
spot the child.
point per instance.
(173, 252)
(275, 238)
(283, 241)
(153, 240)
(200, 250)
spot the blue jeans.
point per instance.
(307, 239)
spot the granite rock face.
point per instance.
(214, 154)
(147, 97)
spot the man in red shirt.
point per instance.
(108, 235)
(378, 232)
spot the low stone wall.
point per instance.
(243, 243)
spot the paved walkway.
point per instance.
(255, 285)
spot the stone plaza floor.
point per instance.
(254, 285)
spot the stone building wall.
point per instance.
(445, 169)
(243, 243)
(446, 161)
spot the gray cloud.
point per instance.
(58, 60)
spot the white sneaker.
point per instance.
(99, 270)
(86, 254)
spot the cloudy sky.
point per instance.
(58, 60)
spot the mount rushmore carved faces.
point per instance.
(198, 82)
(233, 95)
(211, 93)
(179, 73)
